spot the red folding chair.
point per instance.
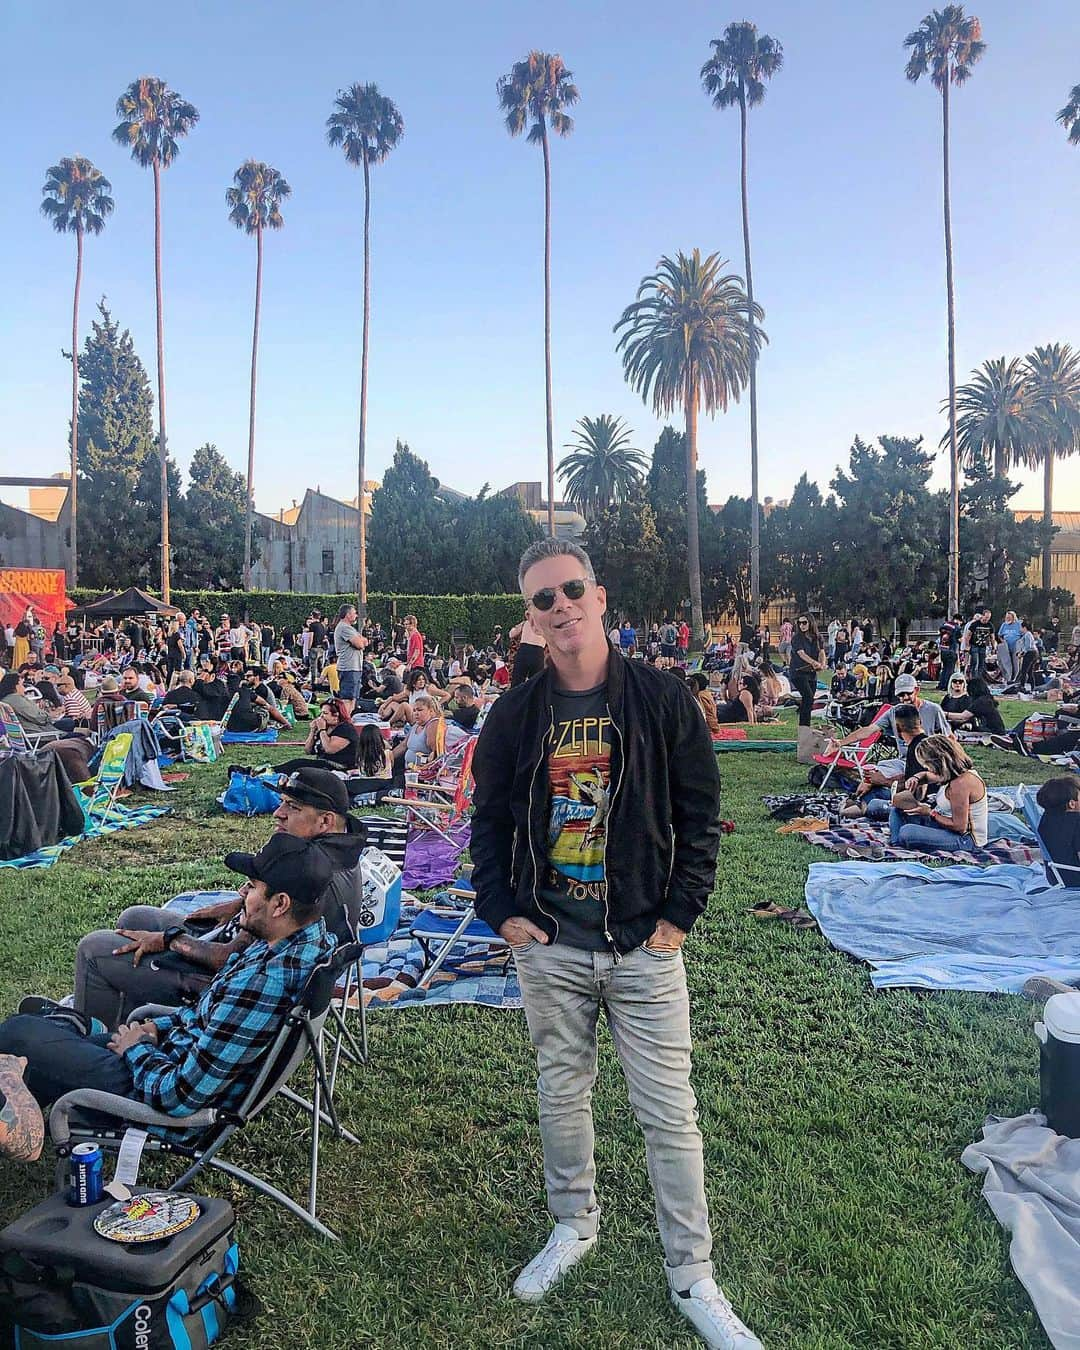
(853, 757)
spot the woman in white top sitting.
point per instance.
(958, 819)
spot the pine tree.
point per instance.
(209, 552)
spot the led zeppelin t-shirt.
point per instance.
(573, 887)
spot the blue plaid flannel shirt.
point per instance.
(209, 1055)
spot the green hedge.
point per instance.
(438, 615)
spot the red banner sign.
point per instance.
(38, 588)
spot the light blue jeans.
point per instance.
(909, 834)
(648, 1011)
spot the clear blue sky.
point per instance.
(845, 214)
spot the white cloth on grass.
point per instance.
(1033, 1186)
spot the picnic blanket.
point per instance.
(120, 818)
(721, 746)
(975, 928)
(392, 970)
(430, 860)
(1032, 1183)
(853, 833)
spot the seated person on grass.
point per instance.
(1059, 828)
(132, 689)
(211, 694)
(934, 721)
(182, 698)
(332, 737)
(959, 817)
(194, 1058)
(427, 735)
(843, 687)
(31, 714)
(874, 793)
(743, 706)
(699, 687)
(164, 956)
(255, 702)
(956, 705)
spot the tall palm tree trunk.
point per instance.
(361, 607)
(755, 522)
(251, 412)
(547, 329)
(954, 465)
(693, 540)
(1048, 514)
(73, 490)
(162, 450)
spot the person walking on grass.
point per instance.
(807, 659)
(594, 844)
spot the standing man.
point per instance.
(949, 647)
(349, 646)
(980, 633)
(592, 752)
(191, 639)
(414, 643)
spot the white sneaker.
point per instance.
(563, 1249)
(713, 1318)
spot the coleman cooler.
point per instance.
(1059, 1063)
(65, 1285)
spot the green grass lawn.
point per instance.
(833, 1117)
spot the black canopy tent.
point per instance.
(128, 604)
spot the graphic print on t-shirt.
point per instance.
(579, 773)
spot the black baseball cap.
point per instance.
(316, 787)
(299, 867)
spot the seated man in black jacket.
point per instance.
(595, 836)
(212, 697)
(158, 956)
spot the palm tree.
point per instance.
(153, 118)
(690, 338)
(536, 94)
(996, 417)
(1054, 373)
(947, 43)
(1069, 116)
(367, 126)
(735, 74)
(602, 468)
(76, 199)
(254, 203)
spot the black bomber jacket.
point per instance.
(663, 826)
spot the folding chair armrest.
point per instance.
(123, 1108)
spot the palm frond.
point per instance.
(76, 197)
(690, 328)
(535, 94)
(948, 43)
(1069, 116)
(154, 118)
(365, 124)
(740, 65)
(254, 200)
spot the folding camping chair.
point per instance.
(17, 735)
(443, 795)
(851, 758)
(98, 795)
(73, 1117)
(1033, 814)
(439, 930)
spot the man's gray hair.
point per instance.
(553, 548)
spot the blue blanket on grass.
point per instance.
(975, 928)
(267, 737)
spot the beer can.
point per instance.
(87, 1184)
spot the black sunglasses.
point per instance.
(544, 599)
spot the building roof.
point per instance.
(1067, 539)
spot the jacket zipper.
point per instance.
(607, 830)
(532, 853)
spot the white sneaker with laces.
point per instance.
(563, 1249)
(713, 1318)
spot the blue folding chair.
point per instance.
(439, 931)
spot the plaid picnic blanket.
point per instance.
(120, 818)
(392, 971)
(853, 833)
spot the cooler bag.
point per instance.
(1059, 1063)
(63, 1286)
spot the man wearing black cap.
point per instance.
(160, 956)
(205, 1056)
